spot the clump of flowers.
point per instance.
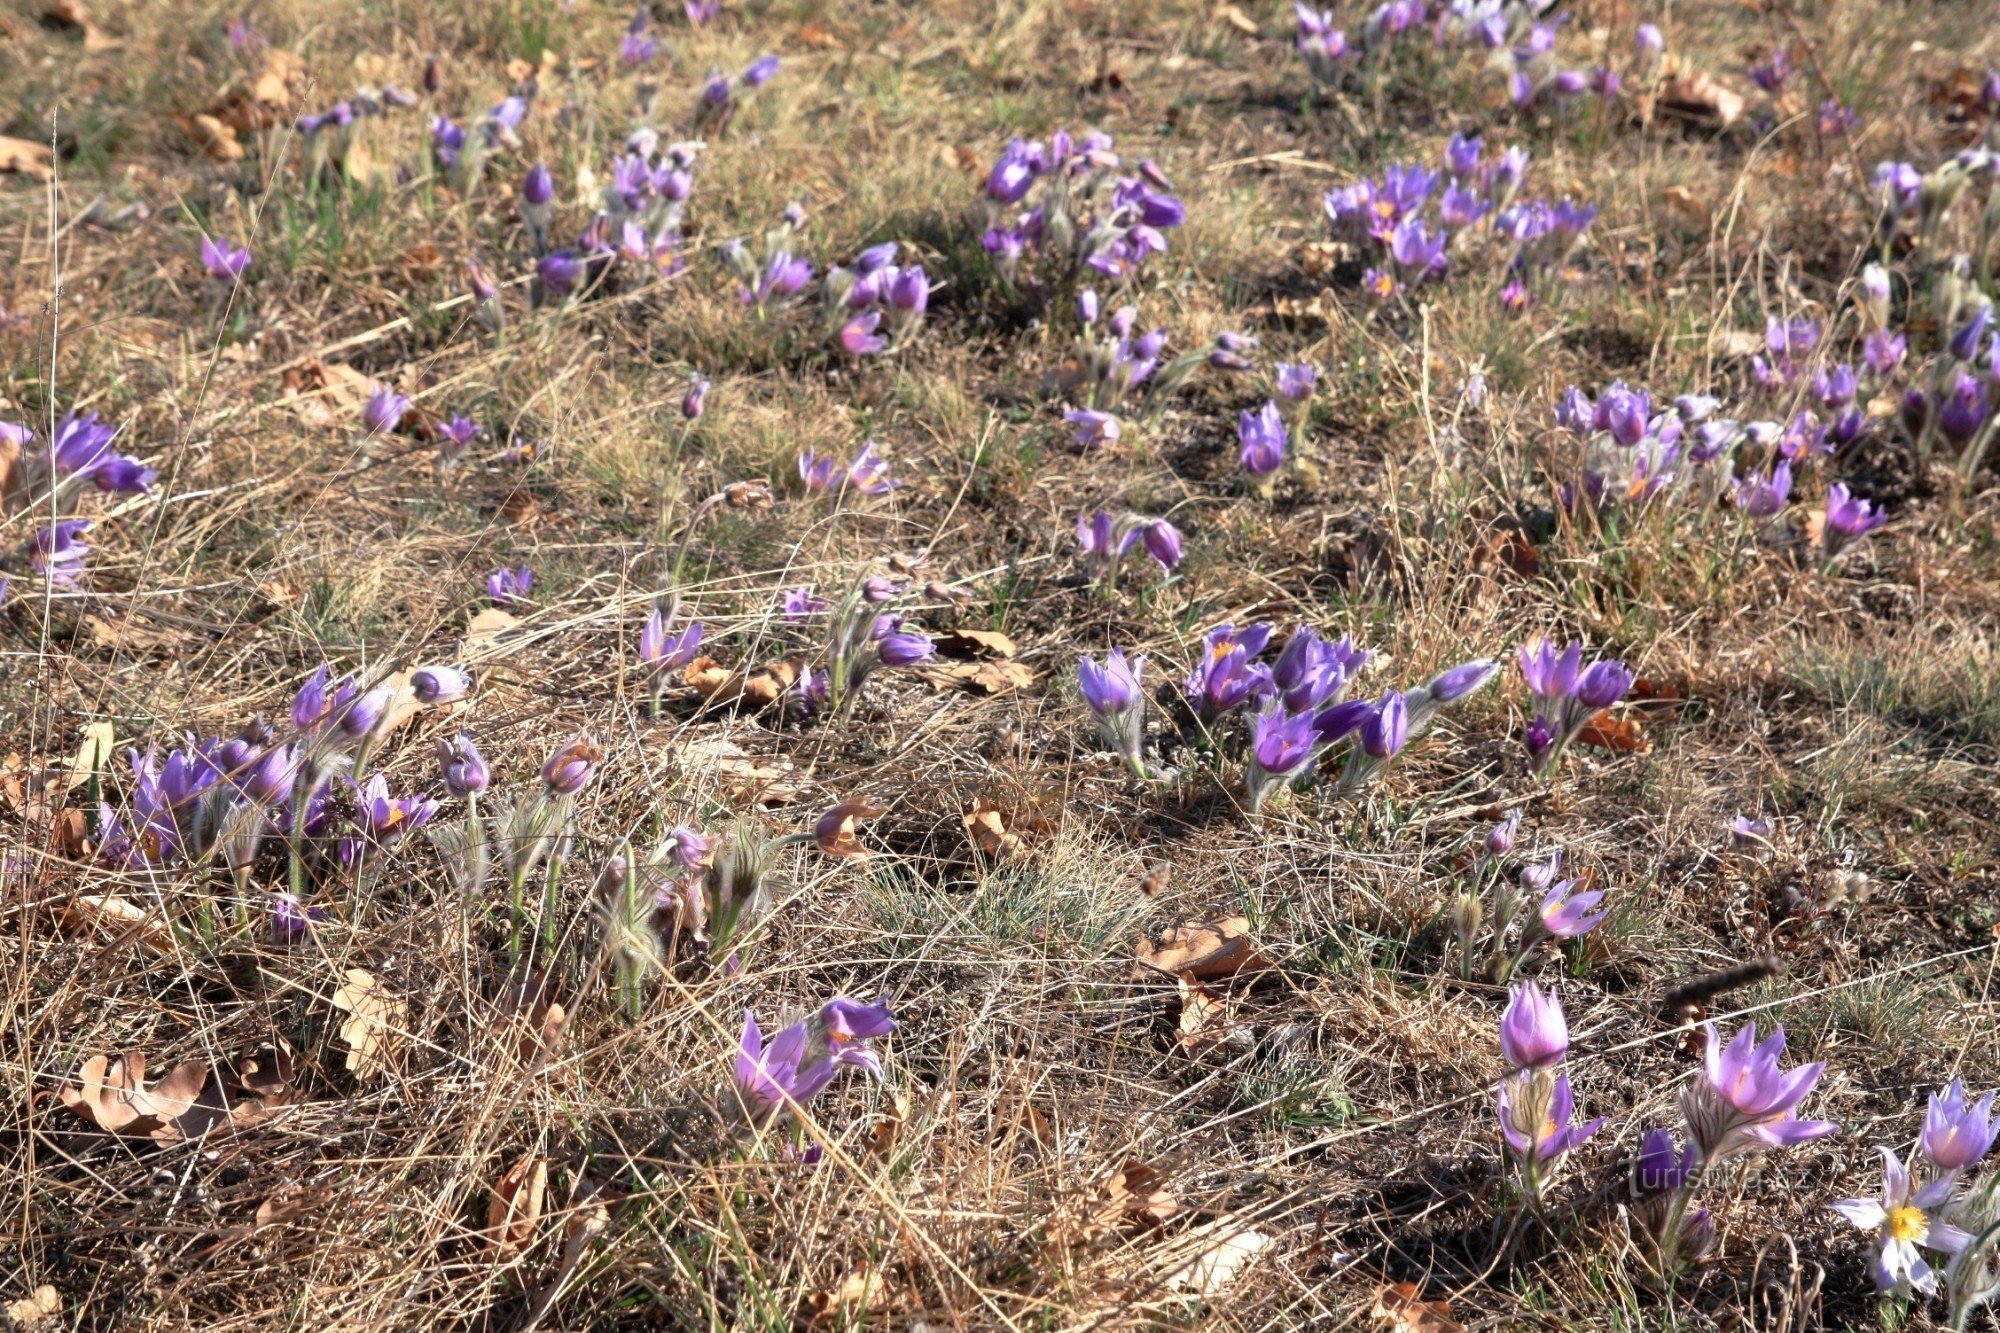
(1535, 1104)
(1408, 223)
(776, 280)
(875, 305)
(1117, 364)
(722, 97)
(1089, 213)
(330, 135)
(866, 474)
(862, 637)
(1103, 542)
(774, 1081)
(1567, 695)
(1533, 907)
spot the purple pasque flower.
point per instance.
(869, 472)
(760, 71)
(1744, 1102)
(1295, 382)
(58, 552)
(465, 771)
(1964, 344)
(1965, 409)
(636, 47)
(1416, 252)
(1226, 675)
(1311, 673)
(1116, 696)
(1623, 412)
(292, 919)
(1535, 1109)
(1903, 1220)
(569, 769)
(820, 472)
(1848, 520)
(700, 13)
(269, 776)
(663, 651)
(387, 818)
(1602, 684)
(1094, 429)
(384, 411)
(1566, 914)
(1775, 72)
(1264, 439)
(1162, 541)
(1461, 207)
(858, 336)
(1551, 675)
(1533, 1032)
(559, 273)
(510, 587)
(224, 262)
(695, 401)
(800, 604)
(1765, 496)
(1386, 729)
(1750, 831)
(358, 712)
(1957, 1133)
(1456, 683)
(905, 647)
(1283, 746)
(803, 1059)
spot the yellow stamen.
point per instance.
(1908, 1224)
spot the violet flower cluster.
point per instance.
(861, 637)
(722, 97)
(875, 305)
(1089, 213)
(1567, 694)
(867, 473)
(1408, 223)
(1103, 542)
(1927, 1207)
(1117, 364)
(1331, 55)
(77, 460)
(1536, 906)
(775, 1080)
(1535, 1105)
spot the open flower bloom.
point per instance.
(1957, 1133)
(1743, 1102)
(508, 587)
(1533, 1032)
(1848, 520)
(836, 832)
(1904, 1220)
(223, 260)
(804, 1058)
(1566, 914)
(663, 651)
(1535, 1110)
(387, 818)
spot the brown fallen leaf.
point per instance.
(1403, 1307)
(1206, 953)
(1698, 96)
(1234, 17)
(837, 832)
(516, 1208)
(122, 919)
(45, 1302)
(705, 675)
(216, 138)
(485, 630)
(280, 79)
(1509, 551)
(1219, 1263)
(69, 16)
(888, 1126)
(1017, 1111)
(1204, 1016)
(1156, 880)
(93, 755)
(974, 644)
(989, 833)
(27, 157)
(132, 634)
(111, 1093)
(758, 688)
(862, 1290)
(1612, 733)
(371, 1029)
(1137, 1196)
(990, 678)
(291, 1202)
(1687, 203)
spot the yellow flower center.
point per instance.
(1908, 1224)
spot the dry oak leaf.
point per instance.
(1204, 1016)
(1205, 953)
(989, 833)
(1403, 1307)
(1687, 203)
(1697, 95)
(1612, 733)
(291, 1202)
(888, 1126)
(484, 631)
(1137, 1195)
(1235, 18)
(373, 1019)
(516, 1208)
(1217, 1265)
(216, 138)
(27, 157)
(990, 678)
(112, 1094)
(121, 918)
(863, 1289)
(974, 643)
(705, 675)
(100, 740)
(70, 16)
(45, 1302)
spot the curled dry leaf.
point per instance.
(1217, 1265)
(44, 1302)
(27, 157)
(121, 919)
(974, 644)
(374, 1018)
(484, 632)
(837, 832)
(1402, 1306)
(99, 742)
(215, 138)
(291, 1202)
(888, 1126)
(1697, 96)
(516, 1208)
(989, 833)
(191, 1100)
(1612, 733)
(70, 16)
(989, 678)
(758, 688)
(1204, 1016)
(1137, 1196)
(1156, 880)
(862, 1290)
(1205, 953)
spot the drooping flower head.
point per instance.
(569, 769)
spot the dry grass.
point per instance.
(1343, 1110)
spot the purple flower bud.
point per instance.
(1500, 838)
(1163, 542)
(465, 772)
(568, 770)
(1086, 306)
(1603, 684)
(538, 187)
(1461, 155)
(760, 71)
(439, 684)
(1264, 440)
(1455, 684)
(1957, 1133)
(1387, 727)
(224, 261)
(361, 717)
(905, 648)
(1965, 342)
(1093, 429)
(384, 411)
(1649, 39)
(1533, 1032)
(1295, 382)
(560, 272)
(695, 401)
